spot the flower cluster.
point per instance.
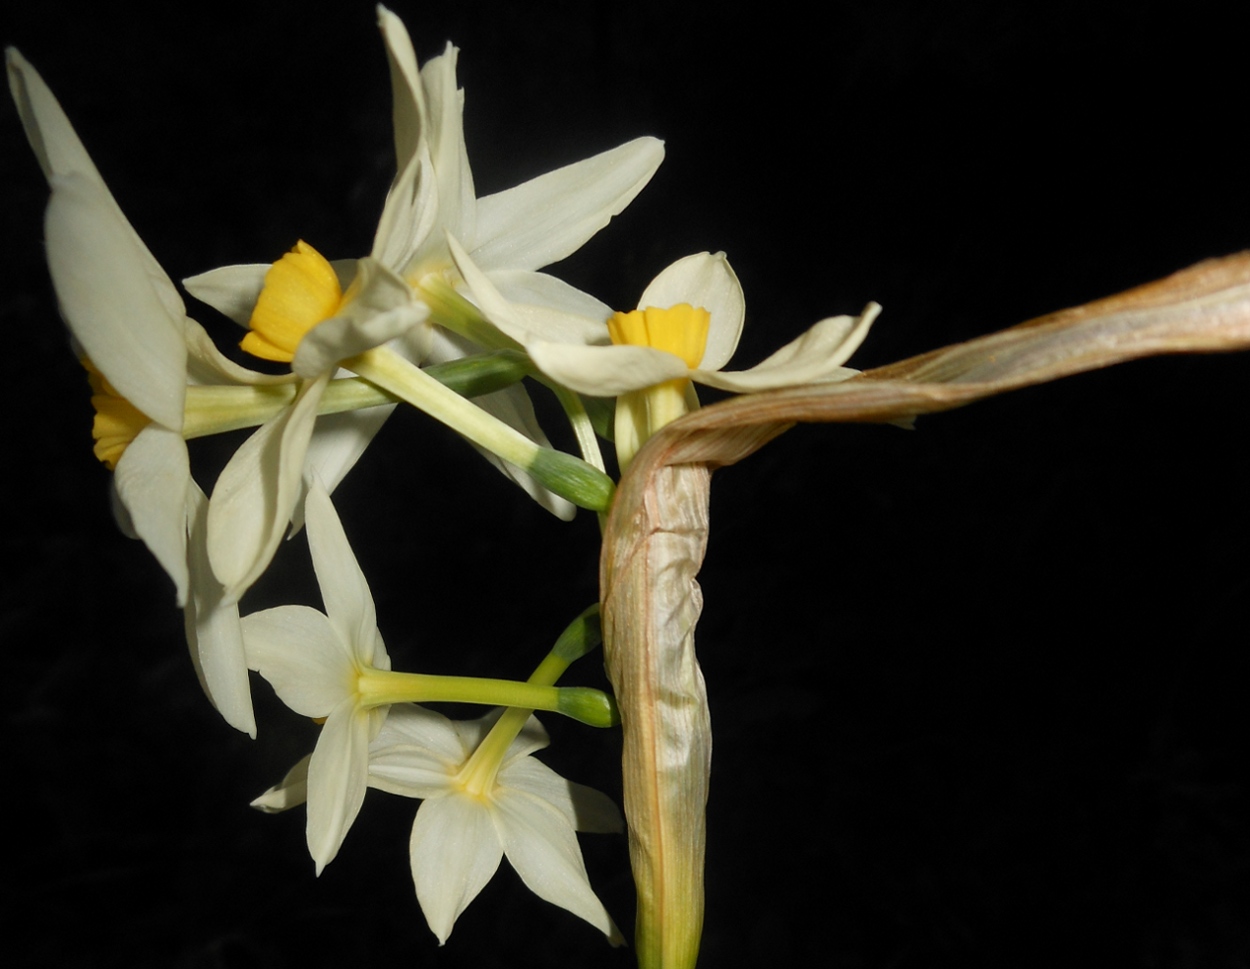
(449, 312)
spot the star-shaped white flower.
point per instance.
(471, 817)
(314, 662)
(511, 234)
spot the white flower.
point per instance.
(641, 349)
(473, 814)
(314, 661)
(685, 329)
(143, 353)
(476, 810)
(511, 234)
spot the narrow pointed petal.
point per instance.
(445, 102)
(551, 309)
(606, 371)
(153, 482)
(348, 602)
(704, 279)
(454, 851)
(291, 791)
(814, 357)
(535, 306)
(490, 301)
(60, 153)
(255, 494)
(300, 653)
(551, 216)
(47, 128)
(214, 632)
(410, 771)
(208, 365)
(337, 773)
(409, 214)
(408, 109)
(107, 297)
(541, 846)
(583, 807)
(418, 726)
(337, 443)
(230, 290)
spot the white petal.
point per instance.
(407, 96)
(214, 633)
(550, 309)
(410, 771)
(337, 443)
(814, 357)
(290, 792)
(707, 280)
(549, 217)
(541, 846)
(412, 725)
(494, 307)
(585, 808)
(153, 481)
(348, 602)
(456, 198)
(409, 215)
(208, 365)
(60, 153)
(337, 774)
(47, 128)
(454, 851)
(230, 290)
(380, 307)
(606, 371)
(107, 297)
(533, 737)
(255, 494)
(302, 656)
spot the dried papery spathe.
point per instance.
(656, 537)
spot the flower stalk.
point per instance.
(565, 475)
(377, 688)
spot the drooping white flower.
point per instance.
(389, 293)
(314, 661)
(144, 354)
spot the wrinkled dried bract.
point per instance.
(657, 534)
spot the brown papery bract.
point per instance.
(656, 537)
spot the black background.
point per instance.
(974, 687)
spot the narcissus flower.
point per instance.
(314, 661)
(143, 355)
(480, 804)
(685, 330)
(333, 667)
(407, 282)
